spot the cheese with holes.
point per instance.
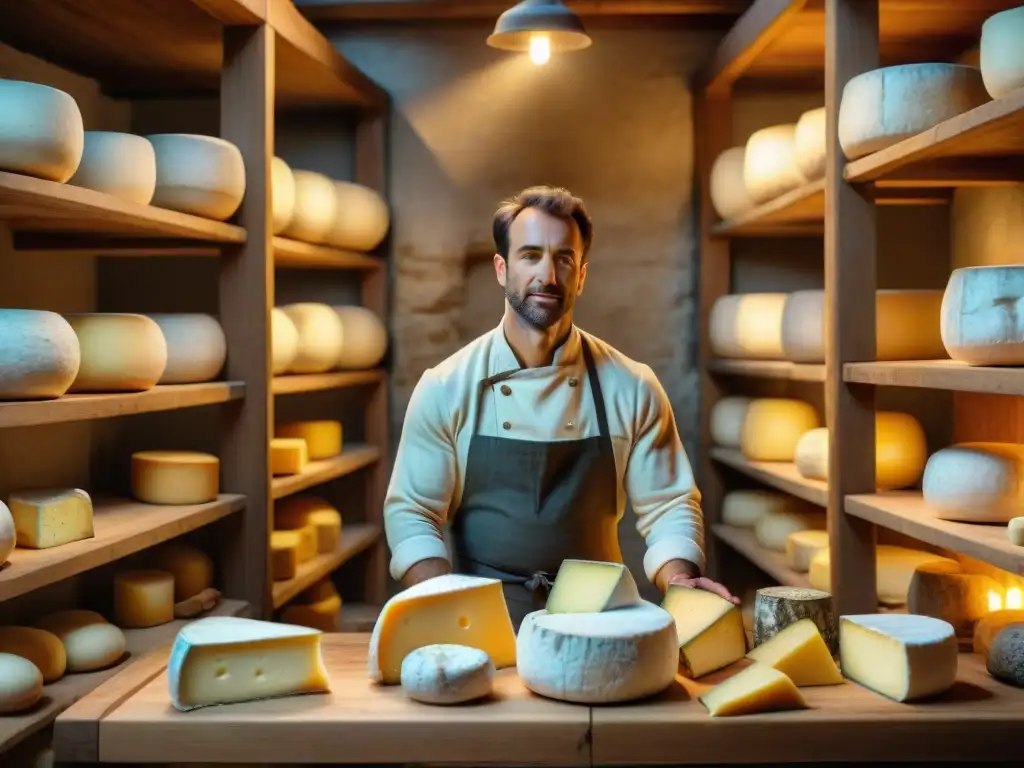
(322, 438)
(802, 546)
(288, 455)
(800, 653)
(282, 198)
(201, 175)
(589, 586)
(709, 630)
(598, 658)
(365, 338)
(90, 641)
(284, 554)
(774, 529)
(773, 426)
(196, 347)
(894, 568)
(944, 591)
(990, 625)
(50, 517)
(899, 655)
(225, 660)
(447, 674)
(756, 689)
(727, 416)
(776, 608)
(41, 131)
(745, 508)
(118, 164)
(983, 315)
(321, 337)
(361, 217)
(1002, 66)
(975, 482)
(729, 196)
(770, 164)
(310, 511)
(143, 598)
(284, 342)
(175, 477)
(747, 325)
(120, 352)
(191, 568)
(21, 684)
(1015, 531)
(316, 206)
(42, 648)
(809, 142)
(39, 354)
(8, 534)
(451, 608)
(322, 614)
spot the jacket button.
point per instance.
(573, 381)
(506, 389)
(506, 425)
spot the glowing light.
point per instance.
(540, 49)
(995, 602)
(1014, 598)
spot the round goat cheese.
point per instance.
(118, 164)
(201, 175)
(1001, 56)
(196, 347)
(361, 218)
(41, 131)
(745, 508)
(39, 354)
(90, 641)
(447, 674)
(316, 203)
(120, 352)
(729, 196)
(809, 140)
(983, 315)
(769, 163)
(975, 482)
(21, 684)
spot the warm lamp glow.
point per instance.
(995, 602)
(1014, 598)
(540, 49)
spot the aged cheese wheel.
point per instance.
(284, 341)
(321, 337)
(769, 163)
(41, 131)
(990, 625)
(775, 608)
(201, 175)
(120, 352)
(119, 164)
(365, 339)
(90, 641)
(943, 590)
(774, 528)
(196, 347)
(773, 427)
(175, 477)
(296, 512)
(322, 438)
(191, 568)
(747, 325)
(894, 568)
(42, 648)
(727, 416)
(802, 546)
(282, 194)
(983, 315)
(1002, 64)
(885, 106)
(986, 226)
(1006, 656)
(324, 614)
(1015, 531)
(447, 674)
(21, 684)
(745, 508)
(809, 139)
(728, 192)
(143, 598)
(975, 482)
(8, 533)
(361, 217)
(316, 202)
(39, 354)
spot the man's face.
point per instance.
(544, 273)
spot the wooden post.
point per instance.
(851, 47)
(246, 295)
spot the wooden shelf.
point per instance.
(355, 537)
(168, 397)
(62, 694)
(774, 564)
(417, 10)
(780, 475)
(352, 459)
(767, 369)
(907, 513)
(798, 212)
(299, 255)
(315, 382)
(937, 374)
(122, 527)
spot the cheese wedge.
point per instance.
(51, 517)
(589, 586)
(800, 653)
(709, 629)
(758, 688)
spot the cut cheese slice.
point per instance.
(747, 325)
(992, 624)
(770, 165)
(588, 586)
(727, 415)
(42, 648)
(175, 477)
(802, 546)
(809, 143)
(746, 508)
(776, 608)
(322, 438)
(773, 530)
(756, 689)
(447, 674)
(295, 512)
(143, 598)
(800, 653)
(322, 614)
(288, 455)
(729, 196)
(975, 482)
(944, 591)
(225, 659)
(899, 655)
(51, 517)
(773, 427)
(1002, 69)
(894, 568)
(709, 630)
(452, 609)
(982, 319)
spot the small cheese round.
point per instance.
(90, 641)
(191, 568)
(769, 163)
(321, 337)
(747, 325)
(42, 648)
(323, 438)
(196, 347)
(884, 106)
(361, 218)
(809, 140)
(365, 339)
(282, 187)
(316, 202)
(598, 658)
(143, 598)
(1002, 65)
(39, 354)
(175, 477)
(776, 608)
(1006, 656)
(447, 674)
(745, 508)
(8, 533)
(727, 416)
(118, 164)
(982, 322)
(729, 196)
(41, 131)
(284, 341)
(944, 591)
(120, 352)
(21, 684)
(201, 175)
(990, 625)
(802, 546)
(975, 482)
(773, 427)
(774, 528)
(296, 512)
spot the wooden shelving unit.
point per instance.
(780, 475)
(355, 538)
(773, 563)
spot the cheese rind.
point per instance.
(894, 568)
(944, 591)
(175, 477)
(51, 517)
(201, 175)
(1002, 69)
(809, 143)
(975, 482)
(365, 338)
(301, 511)
(41, 131)
(322, 438)
(284, 341)
(191, 568)
(42, 648)
(773, 530)
(727, 416)
(39, 354)
(745, 508)
(321, 337)
(1005, 661)
(1015, 531)
(314, 209)
(729, 196)
(773, 426)
(196, 347)
(447, 674)
(983, 315)
(802, 546)
(776, 608)
(361, 218)
(800, 653)
(589, 586)
(21, 684)
(709, 630)
(120, 352)
(118, 164)
(770, 165)
(90, 641)
(143, 598)
(747, 325)
(288, 455)
(756, 689)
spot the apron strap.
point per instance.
(595, 387)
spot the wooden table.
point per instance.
(130, 719)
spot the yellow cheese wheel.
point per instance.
(143, 598)
(809, 143)
(191, 568)
(302, 540)
(321, 337)
(322, 615)
(284, 555)
(322, 438)
(364, 340)
(282, 186)
(120, 352)
(320, 591)
(42, 648)
(360, 219)
(21, 684)
(727, 416)
(895, 567)
(295, 512)
(90, 641)
(288, 455)
(747, 325)
(769, 164)
(200, 175)
(175, 477)
(284, 341)
(315, 206)
(41, 131)
(774, 426)
(802, 546)
(745, 508)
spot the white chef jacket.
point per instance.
(448, 404)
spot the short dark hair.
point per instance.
(555, 201)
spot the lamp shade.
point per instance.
(517, 26)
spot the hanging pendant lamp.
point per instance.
(540, 27)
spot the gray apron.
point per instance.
(527, 505)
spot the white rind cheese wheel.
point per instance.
(120, 352)
(773, 427)
(284, 341)
(201, 175)
(802, 546)
(8, 533)
(361, 218)
(894, 568)
(21, 684)
(774, 528)
(364, 338)
(282, 194)
(747, 325)
(598, 658)
(196, 347)
(39, 354)
(983, 315)
(745, 508)
(316, 201)
(118, 164)
(447, 674)
(321, 337)
(727, 415)
(811, 454)
(90, 641)
(885, 106)
(975, 482)
(1002, 65)
(729, 195)
(769, 163)
(809, 140)
(41, 131)
(175, 477)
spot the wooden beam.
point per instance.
(419, 10)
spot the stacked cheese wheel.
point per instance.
(149, 597)
(299, 442)
(318, 607)
(765, 428)
(304, 527)
(308, 337)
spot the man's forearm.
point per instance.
(675, 568)
(426, 569)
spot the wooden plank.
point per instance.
(294, 384)
(937, 374)
(296, 254)
(778, 474)
(234, 12)
(352, 459)
(320, 11)
(772, 563)
(767, 369)
(797, 212)
(355, 538)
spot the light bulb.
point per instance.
(540, 49)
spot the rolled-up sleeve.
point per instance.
(422, 481)
(660, 484)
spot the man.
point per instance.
(529, 439)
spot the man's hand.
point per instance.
(426, 569)
(687, 574)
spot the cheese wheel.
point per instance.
(316, 203)
(745, 508)
(364, 340)
(727, 416)
(41, 131)
(769, 163)
(944, 591)
(120, 352)
(774, 528)
(1002, 65)
(361, 217)
(894, 568)
(39, 354)
(990, 625)
(729, 196)
(175, 477)
(975, 482)
(317, 593)
(90, 641)
(776, 608)
(986, 226)
(1015, 531)
(322, 615)
(773, 427)
(447, 674)
(196, 347)
(322, 438)
(8, 533)
(288, 455)
(143, 598)
(282, 186)
(42, 648)
(201, 175)
(321, 337)
(802, 546)
(118, 164)
(284, 341)
(983, 315)
(21, 684)
(747, 325)
(191, 568)
(884, 106)
(809, 141)
(284, 555)
(303, 511)
(1005, 660)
